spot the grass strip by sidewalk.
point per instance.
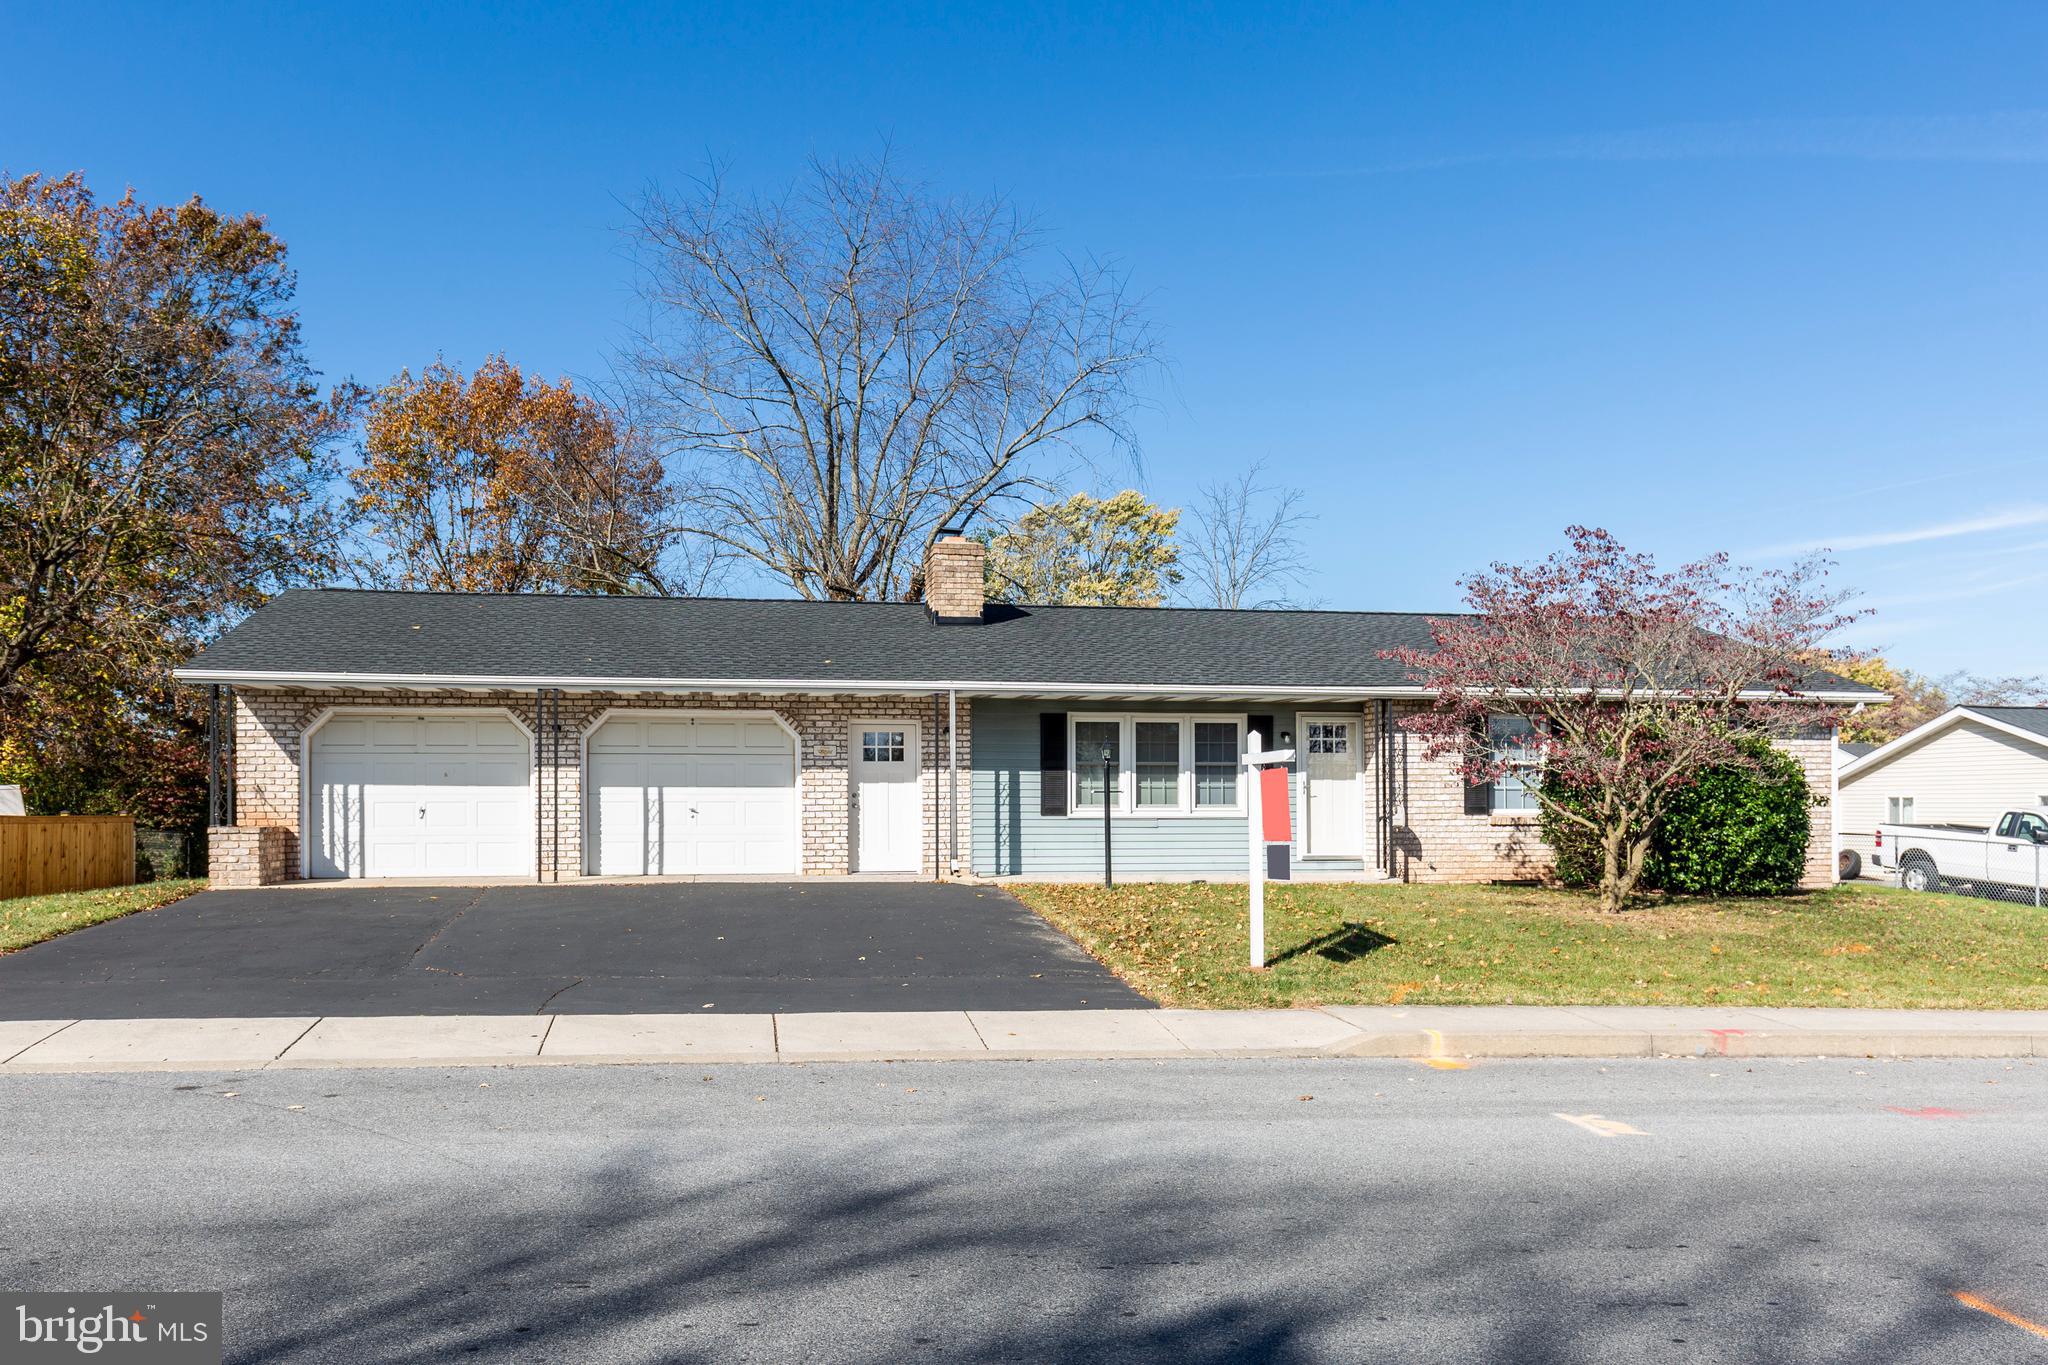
(32, 919)
(1350, 944)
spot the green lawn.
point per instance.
(31, 919)
(1336, 944)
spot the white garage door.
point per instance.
(692, 795)
(421, 795)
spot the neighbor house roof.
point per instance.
(2029, 723)
(362, 638)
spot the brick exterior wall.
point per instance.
(269, 726)
(953, 584)
(1434, 840)
(246, 855)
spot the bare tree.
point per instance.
(1245, 549)
(1970, 689)
(845, 369)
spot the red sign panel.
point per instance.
(1273, 804)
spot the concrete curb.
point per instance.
(1423, 1033)
(1426, 1034)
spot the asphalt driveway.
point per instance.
(616, 949)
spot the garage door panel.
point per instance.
(764, 734)
(402, 734)
(715, 734)
(419, 796)
(692, 795)
(500, 736)
(344, 732)
(764, 772)
(666, 734)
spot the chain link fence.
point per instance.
(1965, 861)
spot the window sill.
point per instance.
(1514, 817)
(1209, 813)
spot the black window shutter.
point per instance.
(1264, 725)
(1479, 795)
(1052, 763)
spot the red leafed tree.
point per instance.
(1634, 681)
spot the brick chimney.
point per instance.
(952, 577)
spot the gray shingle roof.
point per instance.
(2030, 718)
(338, 633)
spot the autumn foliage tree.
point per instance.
(1086, 552)
(163, 445)
(498, 482)
(1635, 681)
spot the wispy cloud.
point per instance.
(1961, 592)
(2032, 514)
(2013, 137)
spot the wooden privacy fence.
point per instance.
(40, 854)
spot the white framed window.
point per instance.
(1219, 746)
(1512, 739)
(1899, 810)
(1097, 762)
(1155, 754)
(1159, 764)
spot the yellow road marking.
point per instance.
(1436, 1057)
(1600, 1127)
(1984, 1306)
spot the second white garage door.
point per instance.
(692, 795)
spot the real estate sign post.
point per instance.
(1268, 830)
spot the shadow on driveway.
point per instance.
(653, 948)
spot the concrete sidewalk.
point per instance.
(1428, 1033)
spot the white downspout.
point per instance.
(953, 780)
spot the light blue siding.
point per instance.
(1011, 838)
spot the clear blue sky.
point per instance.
(1741, 276)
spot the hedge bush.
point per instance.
(1737, 831)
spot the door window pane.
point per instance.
(1216, 752)
(881, 746)
(1091, 737)
(1329, 738)
(1157, 750)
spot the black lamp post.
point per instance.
(1108, 796)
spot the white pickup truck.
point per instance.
(2011, 853)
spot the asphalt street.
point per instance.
(1185, 1211)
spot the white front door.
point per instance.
(1333, 788)
(423, 795)
(882, 764)
(705, 795)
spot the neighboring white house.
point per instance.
(1963, 767)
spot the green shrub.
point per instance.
(1737, 831)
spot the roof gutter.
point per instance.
(841, 686)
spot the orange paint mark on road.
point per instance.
(1985, 1306)
(1436, 1057)
(1932, 1111)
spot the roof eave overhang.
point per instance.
(1932, 729)
(256, 678)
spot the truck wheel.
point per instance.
(1919, 874)
(1849, 866)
